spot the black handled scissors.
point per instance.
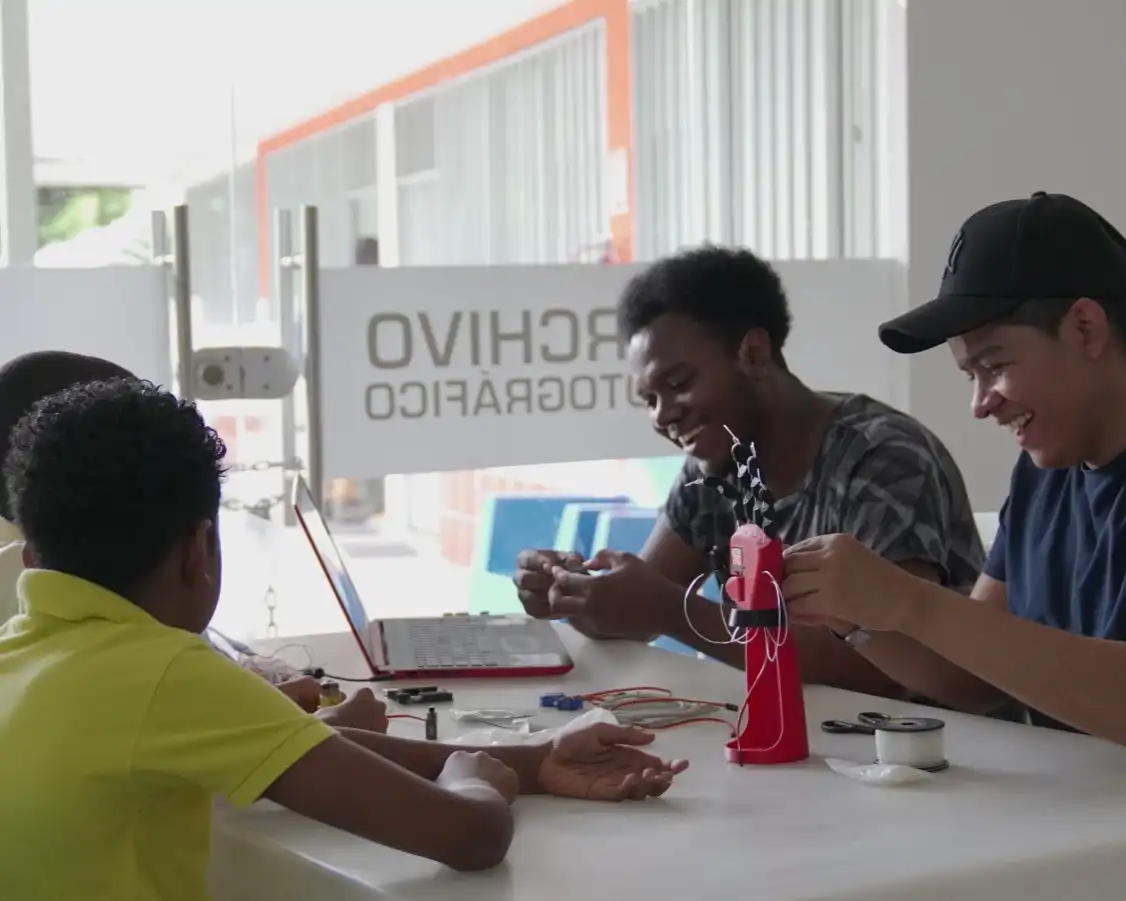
(865, 724)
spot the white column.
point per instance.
(387, 185)
(19, 213)
(396, 488)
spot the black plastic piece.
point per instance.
(419, 695)
(741, 618)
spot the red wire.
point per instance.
(405, 716)
(699, 719)
(666, 696)
(629, 702)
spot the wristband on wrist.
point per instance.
(479, 789)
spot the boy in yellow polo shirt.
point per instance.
(27, 379)
(118, 723)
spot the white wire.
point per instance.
(774, 639)
(270, 665)
(732, 637)
(773, 643)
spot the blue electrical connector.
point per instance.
(561, 701)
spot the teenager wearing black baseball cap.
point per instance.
(1033, 307)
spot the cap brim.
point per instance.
(941, 319)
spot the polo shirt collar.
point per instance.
(58, 595)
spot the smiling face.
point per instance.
(1047, 390)
(694, 384)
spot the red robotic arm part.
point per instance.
(772, 726)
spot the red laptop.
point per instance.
(473, 646)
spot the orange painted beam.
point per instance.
(525, 36)
(619, 115)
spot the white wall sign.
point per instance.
(427, 369)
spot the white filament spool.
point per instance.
(911, 741)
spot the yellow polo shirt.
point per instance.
(115, 733)
(11, 565)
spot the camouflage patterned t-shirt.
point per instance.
(880, 475)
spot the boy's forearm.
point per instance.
(427, 758)
(1077, 680)
(929, 674)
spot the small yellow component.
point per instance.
(331, 695)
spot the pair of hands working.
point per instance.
(602, 762)
(830, 580)
(362, 710)
(612, 595)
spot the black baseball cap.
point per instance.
(1048, 246)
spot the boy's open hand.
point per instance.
(604, 763)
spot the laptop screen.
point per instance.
(329, 554)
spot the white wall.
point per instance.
(891, 116)
(1005, 97)
(120, 313)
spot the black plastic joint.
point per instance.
(741, 618)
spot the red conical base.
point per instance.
(773, 718)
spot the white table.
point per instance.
(1022, 812)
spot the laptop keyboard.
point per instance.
(452, 642)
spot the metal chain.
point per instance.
(264, 506)
(271, 601)
(261, 507)
(264, 465)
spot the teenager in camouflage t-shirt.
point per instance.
(878, 475)
(706, 331)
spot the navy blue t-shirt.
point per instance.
(1061, 548)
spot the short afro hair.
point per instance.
(729, 290)
(31, 377)
(106, 477)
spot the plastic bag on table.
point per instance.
(523, 735)
(885, 774)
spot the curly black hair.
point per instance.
(32, 377)
(727, 289)
(105, 477)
